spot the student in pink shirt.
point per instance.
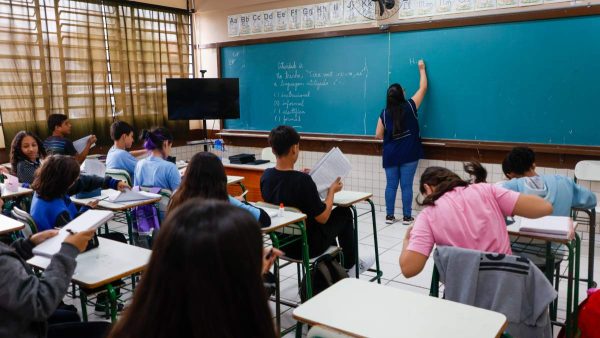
(458, 213)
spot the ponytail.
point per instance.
(155, 138)
(394, 102)
(445, 180)
(476, 171)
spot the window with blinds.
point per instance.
(90, 60)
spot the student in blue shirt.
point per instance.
(205, 177)
(118, 157)
(561, 191)
(155, 171)
(54, 182)
(60, 126)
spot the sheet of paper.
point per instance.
(129, 196)
(81, 143)
(11, 183)
(93, 167)
(331, 166)
(90, 219)
(270, 211)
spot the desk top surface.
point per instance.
(8, 225)
(110, 261)
(20, 192)
(385, 311)
(114, 206)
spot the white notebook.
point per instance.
(90, 219)
(560, 226)
(128, 195)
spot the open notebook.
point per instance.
(90, 219)
(556, 226)
(128, 195)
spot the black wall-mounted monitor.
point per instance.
(198, 99)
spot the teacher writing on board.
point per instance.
(398, 126)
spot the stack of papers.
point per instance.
(331, 166)
(555, 226)
(116, 196)
(93, 167)
(90, 219)
(11, 183)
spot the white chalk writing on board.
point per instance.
(294, 87)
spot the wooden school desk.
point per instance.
(346, 198)
(100, 267)
(119, 208)
(251, 174)
(362, 309)
(13, 194)
(573, 244)
(9, 225)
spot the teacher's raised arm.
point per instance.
(398, 126)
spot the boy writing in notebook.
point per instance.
(118, 157)
(57, 143)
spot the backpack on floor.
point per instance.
(326, 272)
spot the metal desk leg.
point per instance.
(355, 228)
(549, 275)
(576, 291)
(569, 317)
(275, 242)
(129, 218)
(83, 298)
(377, 266)
(112, 300)
(592, 243)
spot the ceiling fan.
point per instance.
(377, 9)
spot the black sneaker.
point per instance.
(390, 219)
(407, 220)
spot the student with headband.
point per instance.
(155, 170)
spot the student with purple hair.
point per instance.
(155, 170)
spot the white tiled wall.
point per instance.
(368, 175)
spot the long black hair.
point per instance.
(445, 180)
(204, 177)
(16, 154)
(204, 278)
(394, 101)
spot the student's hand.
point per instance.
(269, 255)
(306, 170)
(92, 140)
(39, 237)
(80, 240)
(93, 204)
(421, 64)
(122, 186)
(4, 170)
(240, 198)
(337, 185)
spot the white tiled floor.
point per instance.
(390, 245)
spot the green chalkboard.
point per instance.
(534, 81)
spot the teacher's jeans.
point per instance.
(403, 174)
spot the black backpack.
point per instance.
(326, 272)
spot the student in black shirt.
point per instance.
(283, 184)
